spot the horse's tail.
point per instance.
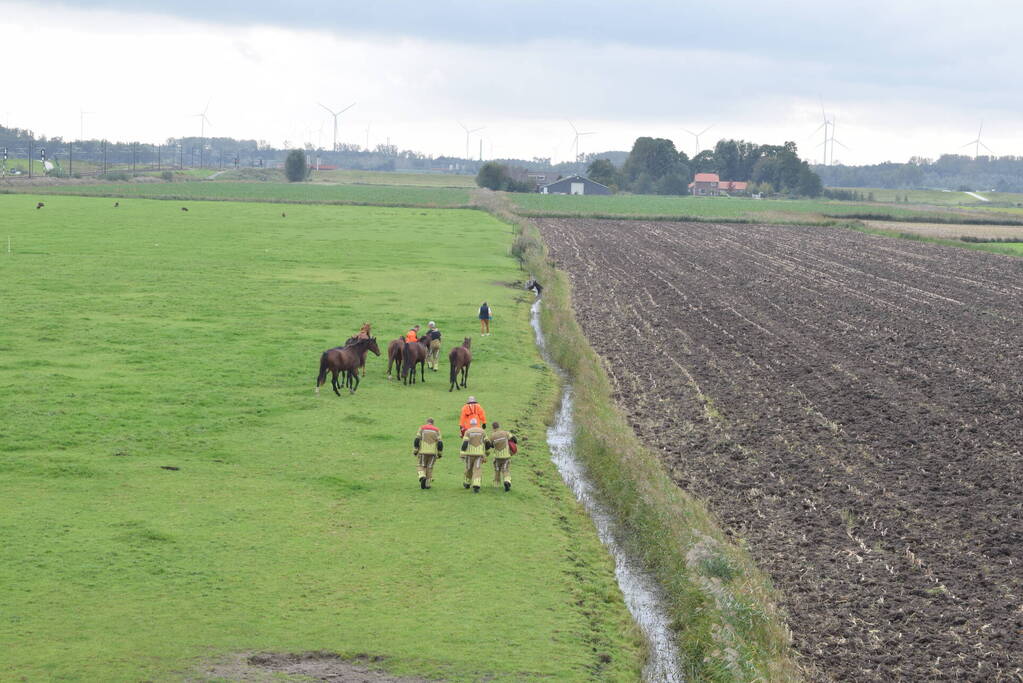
(455, 358)
(322, 377)
(406, 357)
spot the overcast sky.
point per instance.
(899, 78)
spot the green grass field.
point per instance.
(142, 338)
(734, 208)
(350, 177)
(264, 191)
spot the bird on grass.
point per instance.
(184, 208)
(117, 204)
(283, 215)
(40, 205)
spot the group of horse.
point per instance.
(404, 356)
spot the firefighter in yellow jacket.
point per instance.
(474, 452)
(428, 446)
(504, 446)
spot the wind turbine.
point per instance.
(368, 126)
(202, 131)
(697, 136)
(834, 140)
(203, 121)
(825, 124)
(469, 132)
(978, 144)
(575, 140)
(336, 114)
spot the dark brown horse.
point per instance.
(363, 334)
(344, 359)
(414, 353)
(394, 355)
(460, 359)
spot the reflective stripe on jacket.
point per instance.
(428, 436)
(474, 442)
(500, 438)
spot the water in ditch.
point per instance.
(642, 595)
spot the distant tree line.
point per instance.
(654, 166)
(948, 172)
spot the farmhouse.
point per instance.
(709, 185)
(541, 178)
(575, 184)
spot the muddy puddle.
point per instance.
(641, 593)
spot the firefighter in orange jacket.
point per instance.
(428, 447)
(413, 335)
(472, 410)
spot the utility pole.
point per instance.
(30, 141)
(70, 158)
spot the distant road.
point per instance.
(974, 194)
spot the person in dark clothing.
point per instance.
(486, 313)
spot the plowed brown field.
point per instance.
(849, 404)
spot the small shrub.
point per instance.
(118, 176)
(168, 176)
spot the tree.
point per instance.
(656, 157)
(603, 172)
(295, 167)
(492, 175)
(495, 176)
(809, 182)
(673, 183)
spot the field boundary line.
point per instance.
(724, 611)
(245, 200)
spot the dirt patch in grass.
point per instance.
(302, 666)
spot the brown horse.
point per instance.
(394, 355)
(352, 340)
(414, 353)
(460, 359)
(344, 359)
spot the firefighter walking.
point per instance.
(474, 453)
(472, 411)
(428, 447)
(504, 446)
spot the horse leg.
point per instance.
(355, 378)
(333, 382)
(422, 370)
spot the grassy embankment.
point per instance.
(723, 609)
(143, 338)
(296, 193)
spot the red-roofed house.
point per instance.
(705, 184)
(709, 185)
